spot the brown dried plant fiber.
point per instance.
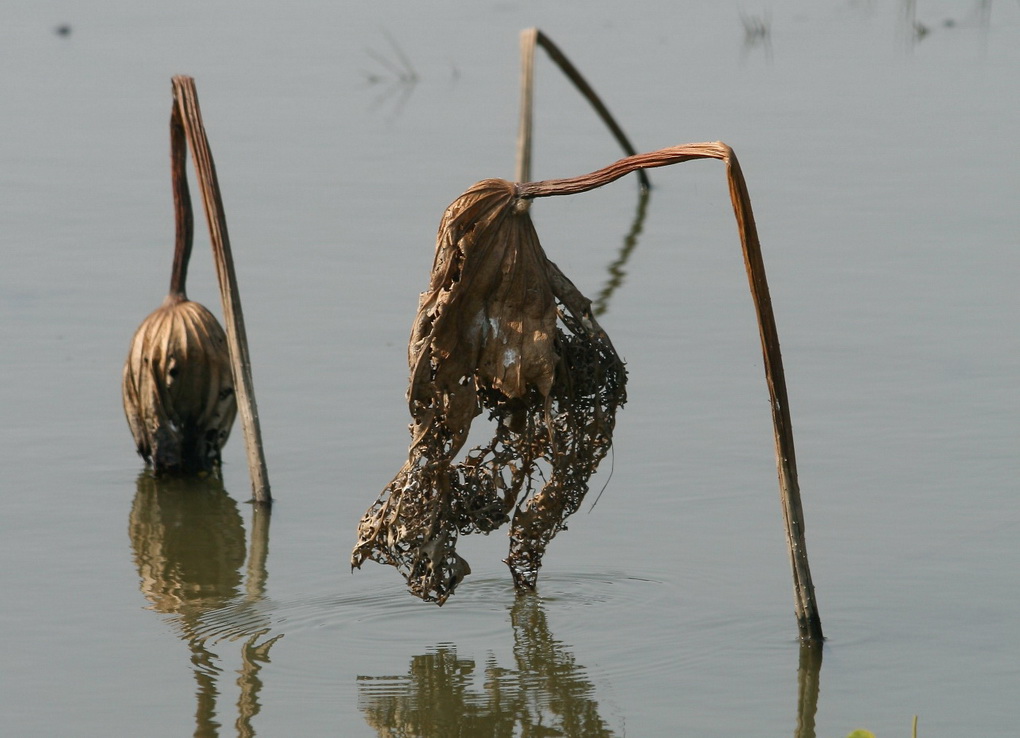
(490, 266)
(499, 330)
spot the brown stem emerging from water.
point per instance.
(186, 100)
(808, 620)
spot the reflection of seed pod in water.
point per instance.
(188, 541)
(178, 389)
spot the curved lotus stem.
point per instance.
(808, 620)
(502, 329)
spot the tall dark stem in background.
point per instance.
(530, 38)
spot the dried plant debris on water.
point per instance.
(500, 330)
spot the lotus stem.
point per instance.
(183, 216)
(186, 100)
(806, 608)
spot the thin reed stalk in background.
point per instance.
(530, 38)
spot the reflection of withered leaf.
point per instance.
(499, 329)
(178, 389)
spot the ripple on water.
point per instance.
(616, 624)
(482, 603)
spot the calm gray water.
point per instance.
(882, 164)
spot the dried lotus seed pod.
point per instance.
(178, 389)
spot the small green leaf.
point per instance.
(861, 734)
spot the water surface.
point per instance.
(881, 162)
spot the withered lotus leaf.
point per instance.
(177, 388)
(499, 330)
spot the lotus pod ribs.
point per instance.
(177, 388)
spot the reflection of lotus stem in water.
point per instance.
(616, 270)
(808, 686)
(189, 548)
(547, 666)
(546, 693)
